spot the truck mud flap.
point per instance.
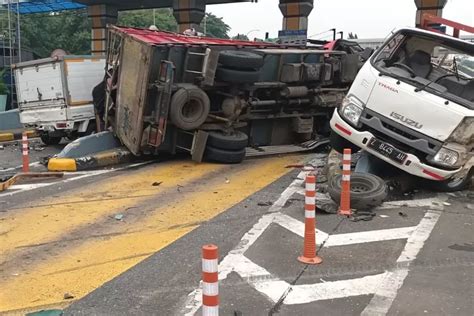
(285, 149)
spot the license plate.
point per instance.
(387, 150)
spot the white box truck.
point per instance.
(412, 105)
(55, 95)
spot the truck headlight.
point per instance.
(351, 110)
(446, 157)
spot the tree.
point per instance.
(71, 30)
(214, 26)
(241, 37)
(144, 18)
(45, 32)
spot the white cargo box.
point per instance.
(56, 93)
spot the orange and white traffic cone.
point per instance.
(345, 205)
(26, 160)
(210, 278)
(309, 250)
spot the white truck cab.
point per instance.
(412, 105)
(55, 95)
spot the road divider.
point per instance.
(309, 250)
(92, 161)
(210, 281)
(7, 136)
(345, 206)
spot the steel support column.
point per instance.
(434, 7)
(101, 15)
(188, 13)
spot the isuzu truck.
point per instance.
(412, 105)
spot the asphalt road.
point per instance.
(11, 155)
(127, 241)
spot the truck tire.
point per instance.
(367, 190)
(339, 143)
(189, 107)
(224, 156)
(239, 59)
(237, 76)
(234, 141)
(454, 184)
(49, 140)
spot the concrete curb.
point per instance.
(8, 136)
(96, 160)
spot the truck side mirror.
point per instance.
(366, 53)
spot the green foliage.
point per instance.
(3, 86)
(44, 33)
(71, 30)
(241, 37)
(144, 18)
(214, 26)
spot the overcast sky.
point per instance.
(367, 18)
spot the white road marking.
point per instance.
(369, 236)
(393, 280)
(385, 285)
(297, 227)
(235, 259)
(307, 293)
(18, 188)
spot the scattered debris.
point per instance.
(227, 181)
(446, 203)
(384, 216)
(264, 203)
(179, 187)
(38, 148)
(1, 147)
(466, 247)
(362, 216)
(119, 217)
(68, 296)
(402, 214)
(155, 184)
(470, 206)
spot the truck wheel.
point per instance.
(339, 143)
(189, 107)
(237, 76)
(233, 141)
(367, 190)
(239, 59)
(453, 184)
(224, 156)
(49, 140)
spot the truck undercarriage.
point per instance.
(169, 92)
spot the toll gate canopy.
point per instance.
(41, 6)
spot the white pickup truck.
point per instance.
(412, 106)
(55, 95)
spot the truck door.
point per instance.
(132, 93)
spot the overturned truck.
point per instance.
(220, 100)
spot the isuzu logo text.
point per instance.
(388, 87)
(406, 120)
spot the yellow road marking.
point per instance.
(83, 267)
(56, 216)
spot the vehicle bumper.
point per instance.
(412, 164)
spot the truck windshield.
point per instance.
(440, 65)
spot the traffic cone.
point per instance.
(210, 278)
(345, 205)
(26, 159)
(309, 251)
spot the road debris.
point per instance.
(402, 214)
(264, 203)
(119, 217)
(156, 184)
(68, 296)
